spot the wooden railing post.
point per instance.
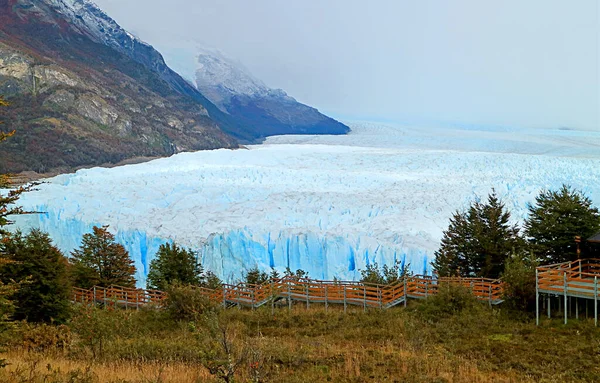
(380, 297)
(364, 298)
(344, 299)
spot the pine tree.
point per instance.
(174, 264)
(42, 271)
(554, 221)
(477, 242)
(100, 261)
(256, 277)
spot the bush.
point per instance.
(450, 300)
(519, 278)
(45, 337)
(188, 303)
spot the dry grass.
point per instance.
(39, 367)
(414, 345)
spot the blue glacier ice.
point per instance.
(330, 205)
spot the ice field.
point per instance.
(329, 205)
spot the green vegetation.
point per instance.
(554, 221)
(174, 264)
(34, 262)
(478, 241)
(383, 276)
(100, 261)
(447, 338)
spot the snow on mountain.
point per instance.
(216, 70)
(260, 109)
(90, 19)
(329, 205)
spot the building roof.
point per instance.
(594, 238)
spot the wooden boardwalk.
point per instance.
(570, 280)
(304, 290)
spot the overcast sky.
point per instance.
(532, 63)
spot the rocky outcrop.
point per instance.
(76, 101)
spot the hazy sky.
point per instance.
(531, 63)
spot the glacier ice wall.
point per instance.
(329, 205)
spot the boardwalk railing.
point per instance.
(577, 279)
(303, 290)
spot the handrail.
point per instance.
(303, 289)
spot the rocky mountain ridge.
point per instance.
(78, 101)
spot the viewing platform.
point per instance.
(572, 283)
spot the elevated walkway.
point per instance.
(309, 291)
(573, 281)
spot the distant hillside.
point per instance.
(262, 110)
(85, 92)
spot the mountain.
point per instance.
(85, 92)
(262, 110)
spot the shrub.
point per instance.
(519, 278)
(43, 337)
(186, 302)
(450, 300)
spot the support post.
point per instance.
(537, 299)
(490, 293)
(104, 300)
(326, 301)
(344, 299)
(253, 305)
(272, 299)
(380, 296)
(94, 295)
(426, 288)
(596, 301)
(364, 298)
(126, 300)
(405, 292)
(566, 308)
(549, 307)
(289, 297)
(576, 308)
(306, 289)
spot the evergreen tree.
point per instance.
(477, 242)
(256, 277)
(554, 221)
(100, 261)
(174, 264)
(42, 269)
(383, 276)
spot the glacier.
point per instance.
(329, 205)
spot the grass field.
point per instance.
(427, 342)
